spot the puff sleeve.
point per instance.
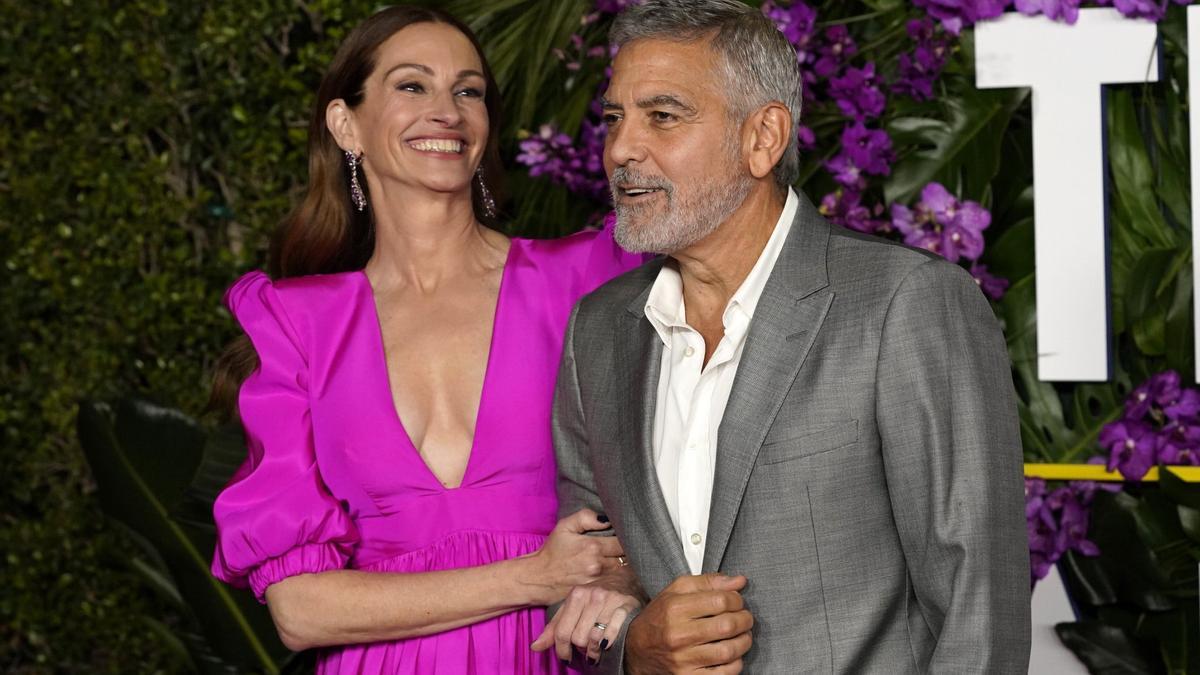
(276, 518)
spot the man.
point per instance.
(791, 426)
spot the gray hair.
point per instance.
(759, 63)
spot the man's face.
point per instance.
(673, 154)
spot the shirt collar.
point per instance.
(664, 306)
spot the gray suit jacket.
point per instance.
(868, 473)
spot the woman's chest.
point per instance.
(498, 383)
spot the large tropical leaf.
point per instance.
(1057, 424)
(1107, 650)
(967, 132)
(143, 458)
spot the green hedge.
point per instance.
(147, 149)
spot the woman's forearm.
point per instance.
(352, 607)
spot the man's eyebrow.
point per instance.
(607, 104)
(665, 101)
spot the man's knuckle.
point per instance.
(733, 601)
(674, 638)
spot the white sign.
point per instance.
(1067, 67)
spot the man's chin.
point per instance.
(630, 234)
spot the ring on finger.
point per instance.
(622, 561)
(599, 626)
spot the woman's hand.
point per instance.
(570, 557)
(592, 616)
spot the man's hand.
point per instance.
(697, 622)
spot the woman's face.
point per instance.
(423, 122)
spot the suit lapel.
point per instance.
(785, 325)
(639, 359)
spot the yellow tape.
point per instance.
(1190, 474)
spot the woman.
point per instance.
(398, 419)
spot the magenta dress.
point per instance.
(333, 481)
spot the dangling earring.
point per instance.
(485, 195)
(356, 193)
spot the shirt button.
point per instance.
(689, 351)
(696, 538)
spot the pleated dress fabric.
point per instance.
(332, 479)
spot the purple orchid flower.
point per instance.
(864, 151)
(1154, 10)
(920, 68)
(955, 15)
(942, 224)
(1056, 521)
(1178, 443)
(1066, 11)
(796, 21)
(857, 93)
(1131, 447)
(992, 286)
(844, 207)
(836, 49)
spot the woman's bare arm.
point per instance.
(351, 607)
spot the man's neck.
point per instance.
(714, 268)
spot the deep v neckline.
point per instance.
(381, 352)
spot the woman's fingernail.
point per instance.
(601, 517)
(604, 644)
(565, 662)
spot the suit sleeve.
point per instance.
(946, 411)
(576, 484)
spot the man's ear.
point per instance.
(768, 132)
(339, 119)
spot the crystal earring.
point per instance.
(485, 195)
(356, 193)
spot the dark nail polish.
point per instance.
(601, 517)
(566, 662)
(604, 644)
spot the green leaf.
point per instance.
(1146, 301)
(1184, 493)
(158, 579)
(1135, 572)
(135, 487)
(1189, 520)
(967, 116)
(1133, 174)
(224, 452)
(1048, 431)
(1087, 580)
(1011, 254)
(1106, 650)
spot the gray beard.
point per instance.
(691, 215)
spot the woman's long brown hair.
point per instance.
(325, 234)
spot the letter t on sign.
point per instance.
(1066, 66)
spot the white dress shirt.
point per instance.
(692, 395)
